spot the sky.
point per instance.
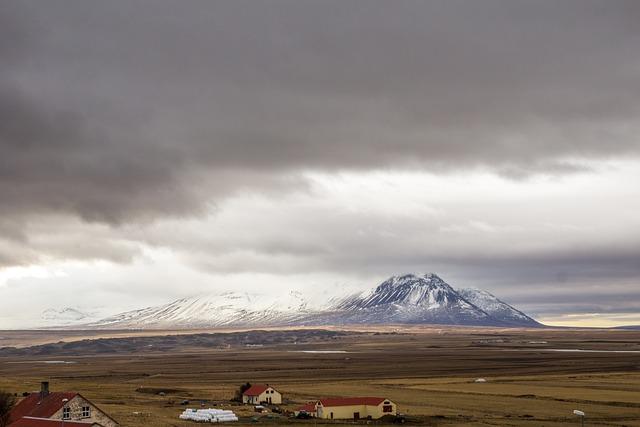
(151, 150)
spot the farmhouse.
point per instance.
(261, 393)
(338, 408)
(47, 422)
(45, 408)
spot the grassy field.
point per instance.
(429, 372)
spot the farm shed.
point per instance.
(342, 408)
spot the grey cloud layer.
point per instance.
(117, 114)
(119, 110)
(546, 253)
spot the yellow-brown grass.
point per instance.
(429, 372)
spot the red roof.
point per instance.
(33, 406)
(45, 422)
(256, 390)
(349, 401)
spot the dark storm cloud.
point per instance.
(57, 158)
(121, 110)
(128, 112)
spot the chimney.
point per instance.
(44, 389)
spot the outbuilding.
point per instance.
(343, 408)
(262, 393)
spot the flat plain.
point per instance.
(533, 377)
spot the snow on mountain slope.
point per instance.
(409, 299)
(429, 292)
(66, 316)
(226, 309)
(412, 299)
(496, 308)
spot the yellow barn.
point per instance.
(342, 408)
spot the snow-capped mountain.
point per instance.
(496, 308)
(412, 299)
(408, 299)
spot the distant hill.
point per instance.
(629, 327)
(406, 299)
(167, 343)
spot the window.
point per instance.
(387, 408)
(66, 413)
(86, 411)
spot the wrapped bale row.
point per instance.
(208, 415)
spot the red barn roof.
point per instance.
(349, 401)
(256, 390)
(34, 406)
(45, 422)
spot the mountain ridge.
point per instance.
(403, 299)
